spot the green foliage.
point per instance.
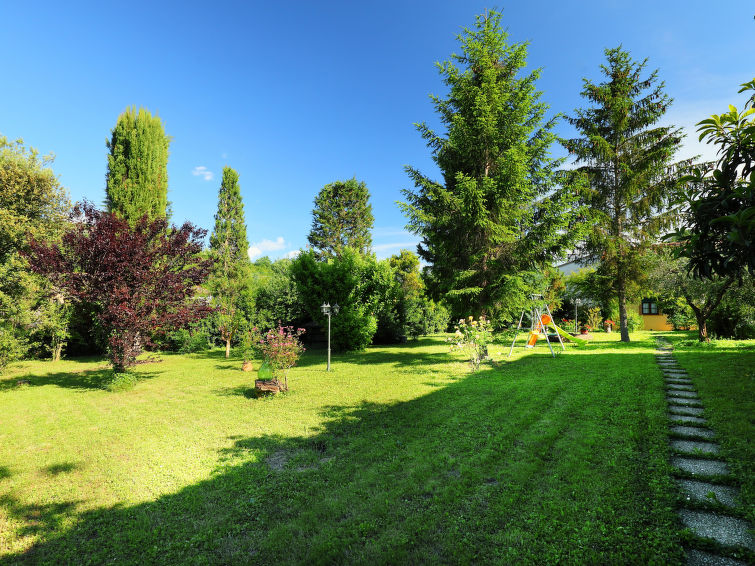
(635, 321)
(12, 347)
(473, 336)
(502, 207)
(229, 282)
(355, 282)
(670, 278)
(32, 204)
(625, 158)
(342, 218)
(594, 318)
(196, 338)
(32, 201)
(137, 166)
(718, 232)
(424, 316)
(121, 381)
(276, 298)
(735, 316)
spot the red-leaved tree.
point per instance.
(143, 278)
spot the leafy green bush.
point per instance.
(11, 348)
(357, 283)
(121, 381)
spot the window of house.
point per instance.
(649, 306)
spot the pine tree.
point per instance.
(342, 218)
(230, 278)
(627, 162)
(502, 209)
(137, 174)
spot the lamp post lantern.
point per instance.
(328, 310)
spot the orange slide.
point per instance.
(544, 320)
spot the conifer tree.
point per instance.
(502, 209)
(230, 278)
(627, 160)
(137, 167)
(342, 218)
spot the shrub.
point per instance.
(280, 347)
(121, 381)
(473, 337)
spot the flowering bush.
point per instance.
(473, 336)
(280, 347)
(608, 325)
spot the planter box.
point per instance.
(268, 385)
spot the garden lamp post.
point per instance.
(577, 302)
(328, 310)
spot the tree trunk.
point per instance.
(702, 328)
(227, 347)
(57, 350)
(623, 327)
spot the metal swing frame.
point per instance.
(538, 309)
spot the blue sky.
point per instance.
(299, 94)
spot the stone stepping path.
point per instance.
(695, 455)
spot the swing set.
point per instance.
(541, 324)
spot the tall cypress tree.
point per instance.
(230, 277)
(627, 160)
(501, 209)
(137, 166)
(342, 218)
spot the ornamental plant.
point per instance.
(473, 336)
(281, 349)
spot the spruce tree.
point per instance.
(502, 208)
(230, 278)
(342, 218)
(137, 172)
(627, 159)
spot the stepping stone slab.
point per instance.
(685, 394)
(680, 387)
(686, 419)
(693, 431)
(679, 380)
(685, 410)
(695, 446)
(698, 467)
(724, 530)
(700, 558)
(682, 402)
(674, 372)
(708, 492)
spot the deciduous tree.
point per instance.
(627, 159)
(32, 203)
(142, 277)
(718, 232)
(137, 166)
(502, 207)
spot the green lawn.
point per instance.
(400, 455)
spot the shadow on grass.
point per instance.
(505, 465)
(5, 472)
(61, 468)
(82, 380)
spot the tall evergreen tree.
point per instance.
(342, 218)
(137, 166)
(627, 160)
(230, 278)
(502, 209)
